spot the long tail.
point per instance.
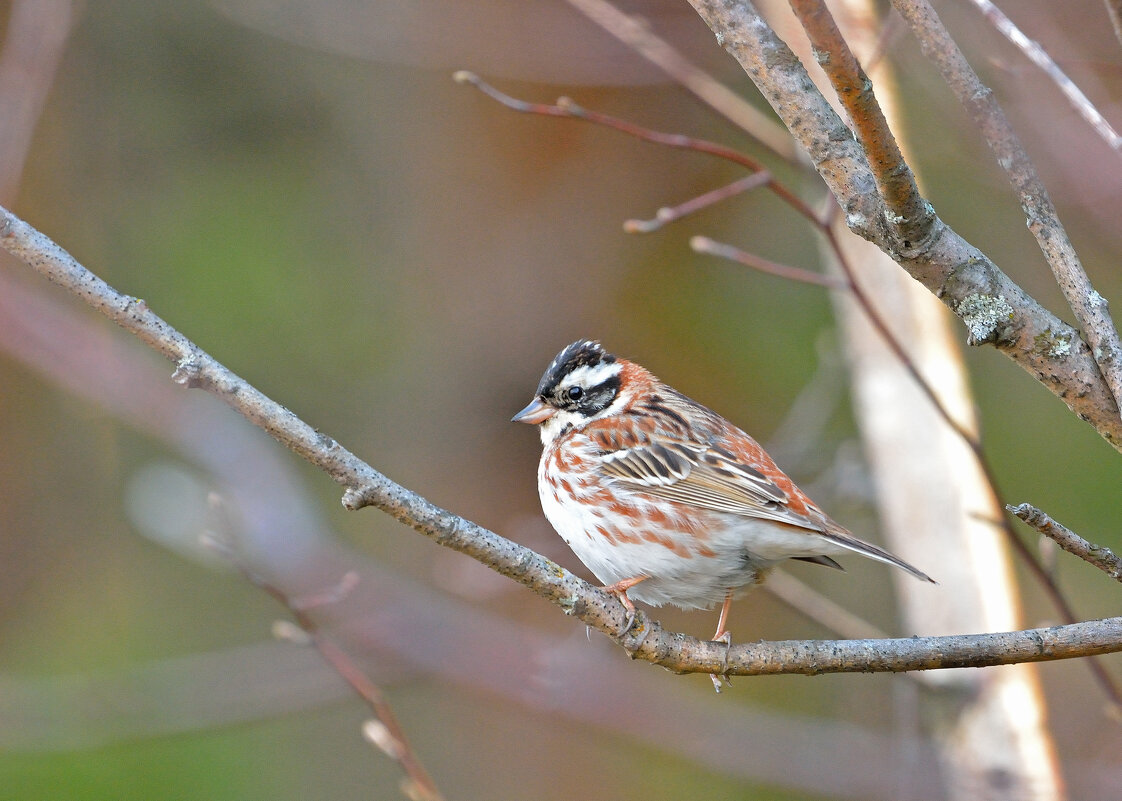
(873, 552)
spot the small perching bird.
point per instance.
(665, 501)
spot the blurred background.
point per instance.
(396, 258)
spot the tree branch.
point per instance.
(1039, 56)
(1089, 307)
(909, 216)
(1114, 11)
(1102, 558)
(637, 34)
(646, 640)
(994, 308)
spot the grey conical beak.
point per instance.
(536, 412)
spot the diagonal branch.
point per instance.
(994, 308)
(1114, 11)
(636, 33)
(646, 639)
(1089, 307)
(909, 216)
(1102, 558)
(1039, 56)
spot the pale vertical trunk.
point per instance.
(992, 727)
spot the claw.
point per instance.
(619, 590)
(723, 635)
(628, 621)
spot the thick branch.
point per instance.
(1089, 307)
(994, 308)
(909, 216)
(646, 640)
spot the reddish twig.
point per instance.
(637, 34)
(386, 732)
(667, 215)
(703, 244)
(565, 107)
(909, 216)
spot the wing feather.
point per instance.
(705, 476)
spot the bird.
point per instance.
(663, 499)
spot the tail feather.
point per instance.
(879, 554)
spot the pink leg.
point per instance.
(722, 635)
(619, 589)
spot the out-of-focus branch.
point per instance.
(910, 217)
(1089, 307)
(385, 732)
(636, 33)
(1102, 558)
(669, 214)
(1114, 11)
(645, 639)
(993, 308)
(33, 45)
(1038, 56)
(703, 244)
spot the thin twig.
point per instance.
(703, 244)
(1089, 307)
(1114, 11)
(1039, 56)
(667, 215)
(1102, 558)
(394, 743)
(565, 107)
(646, 639)
(635, 32)
(909, 216)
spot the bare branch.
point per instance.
(1089, 307)
(667, 215)
(636, 33)
(909, 216)
(994, 308)
(1114, 11)
(1102, 558)
(703, 244)
(645, 640)
(1035, 53)
(393, 741)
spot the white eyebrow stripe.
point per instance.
(592, 376)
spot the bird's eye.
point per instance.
(575, 393)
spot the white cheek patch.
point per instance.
(552, 428)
